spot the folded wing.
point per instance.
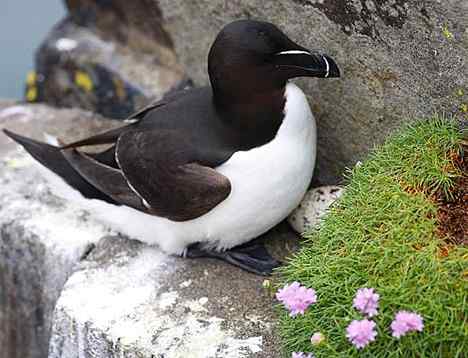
(106, 179)
(163, 168)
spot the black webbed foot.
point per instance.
(252, 257)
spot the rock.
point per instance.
(138, 25)
(130, 300)
(34, 120)
(109, 57)
(400, 60)
(41, 238)
(112, 296)
(313, 207)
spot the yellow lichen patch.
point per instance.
(119, 88)
(464, 108)
(31, 78)
(31, 94)
(83, 80)
(15, 163)
(460, 92)
(447, 33)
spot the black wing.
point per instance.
(53, 158)
(106, 179)
(165, 170)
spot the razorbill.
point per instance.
(205, 171)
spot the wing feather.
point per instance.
(162, 167)
(107, 179)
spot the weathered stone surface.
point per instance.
(314, 207)
(137, 24)
(399, 59)
(41, 238)
(109, 57)
(130, 300)
(40, 241)
(124, 298)
(34, 120)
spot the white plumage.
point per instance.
(268, 182)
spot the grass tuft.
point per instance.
(382, 234)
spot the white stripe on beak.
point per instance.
(293, 52)
(327, 68)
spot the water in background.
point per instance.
(23, 26)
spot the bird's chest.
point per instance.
(271, 179)
(277, 171)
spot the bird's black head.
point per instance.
(252, 55)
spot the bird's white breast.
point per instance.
(267, 183)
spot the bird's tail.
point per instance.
(52, 158)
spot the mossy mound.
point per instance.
(383, 234)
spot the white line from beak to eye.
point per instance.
(293, 52)
(327, 70)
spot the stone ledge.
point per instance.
(41, 240)
(41, 237)
(130, 300)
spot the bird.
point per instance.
(205, 172)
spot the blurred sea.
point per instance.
(23, 25)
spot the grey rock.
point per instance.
(109, 57)
(314, 207)
(36, 120)
(41, 238)
(130, 300)
(137, 24)
(400, 60)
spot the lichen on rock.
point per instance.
(102, 58)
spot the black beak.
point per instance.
(304, 63)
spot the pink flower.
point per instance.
(302, 355)
(296, 298)
(361, 333)
(405, 322)
(366, 301)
